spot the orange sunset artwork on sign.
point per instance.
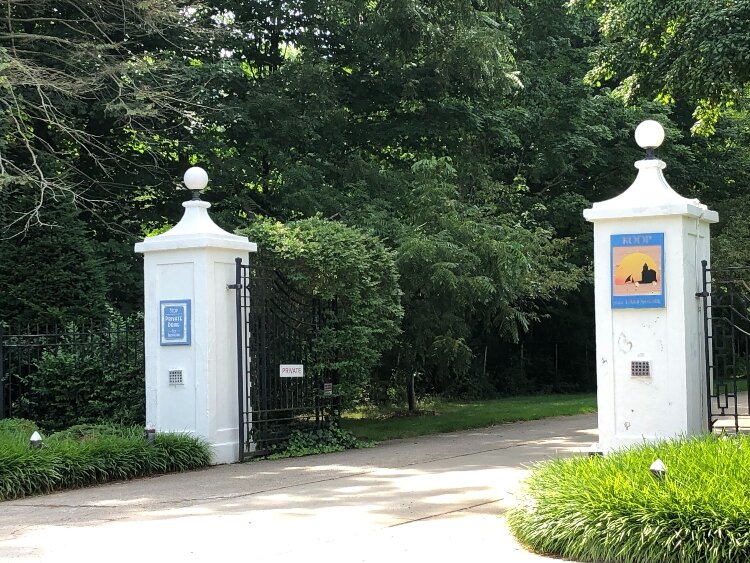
(637, 270)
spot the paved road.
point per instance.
(437, 498)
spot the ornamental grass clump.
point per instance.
(613, 509)
(89, 454)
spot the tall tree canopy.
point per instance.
(461, 134)
(390, 116)
(692, 50)
(86, 89)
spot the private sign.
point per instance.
(291, 370)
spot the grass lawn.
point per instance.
(443, 416)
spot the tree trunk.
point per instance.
(411, 396)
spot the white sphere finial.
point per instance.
(195, 178)
(649, 134)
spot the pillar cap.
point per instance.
(196, 229)
(650, 195)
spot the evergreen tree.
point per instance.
(52, 273)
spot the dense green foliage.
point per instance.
(85, 378)
(88, 89)
(330, 261)
(327, 439)
(612, 509)
(88, 455)
(52, 273)
(677, 49)
(467, 136)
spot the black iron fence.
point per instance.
(726, 324)
(69, 373)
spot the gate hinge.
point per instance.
(234, 286)
(702, 294)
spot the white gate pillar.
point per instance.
(648, 245)
(190, 327)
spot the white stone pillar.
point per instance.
(190, 330)
(649, 334)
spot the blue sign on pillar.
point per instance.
(637, 271)
(175, 323)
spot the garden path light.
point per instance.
(658, 469)
(36, 441)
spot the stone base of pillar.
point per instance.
(227, 452)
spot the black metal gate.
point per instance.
(726, 306)
(281, 385)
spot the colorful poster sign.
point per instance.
(175, 322)
(637, 271)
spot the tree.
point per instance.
(52, 274)
(689, 50)
(86, 92)
(375, 107)
(94, 101)
(460, 133)
(472, 275)
(332, 261)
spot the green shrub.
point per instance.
(324, 440)
(91, 454)
(87, 379)
(612, 509)
(331, 260)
